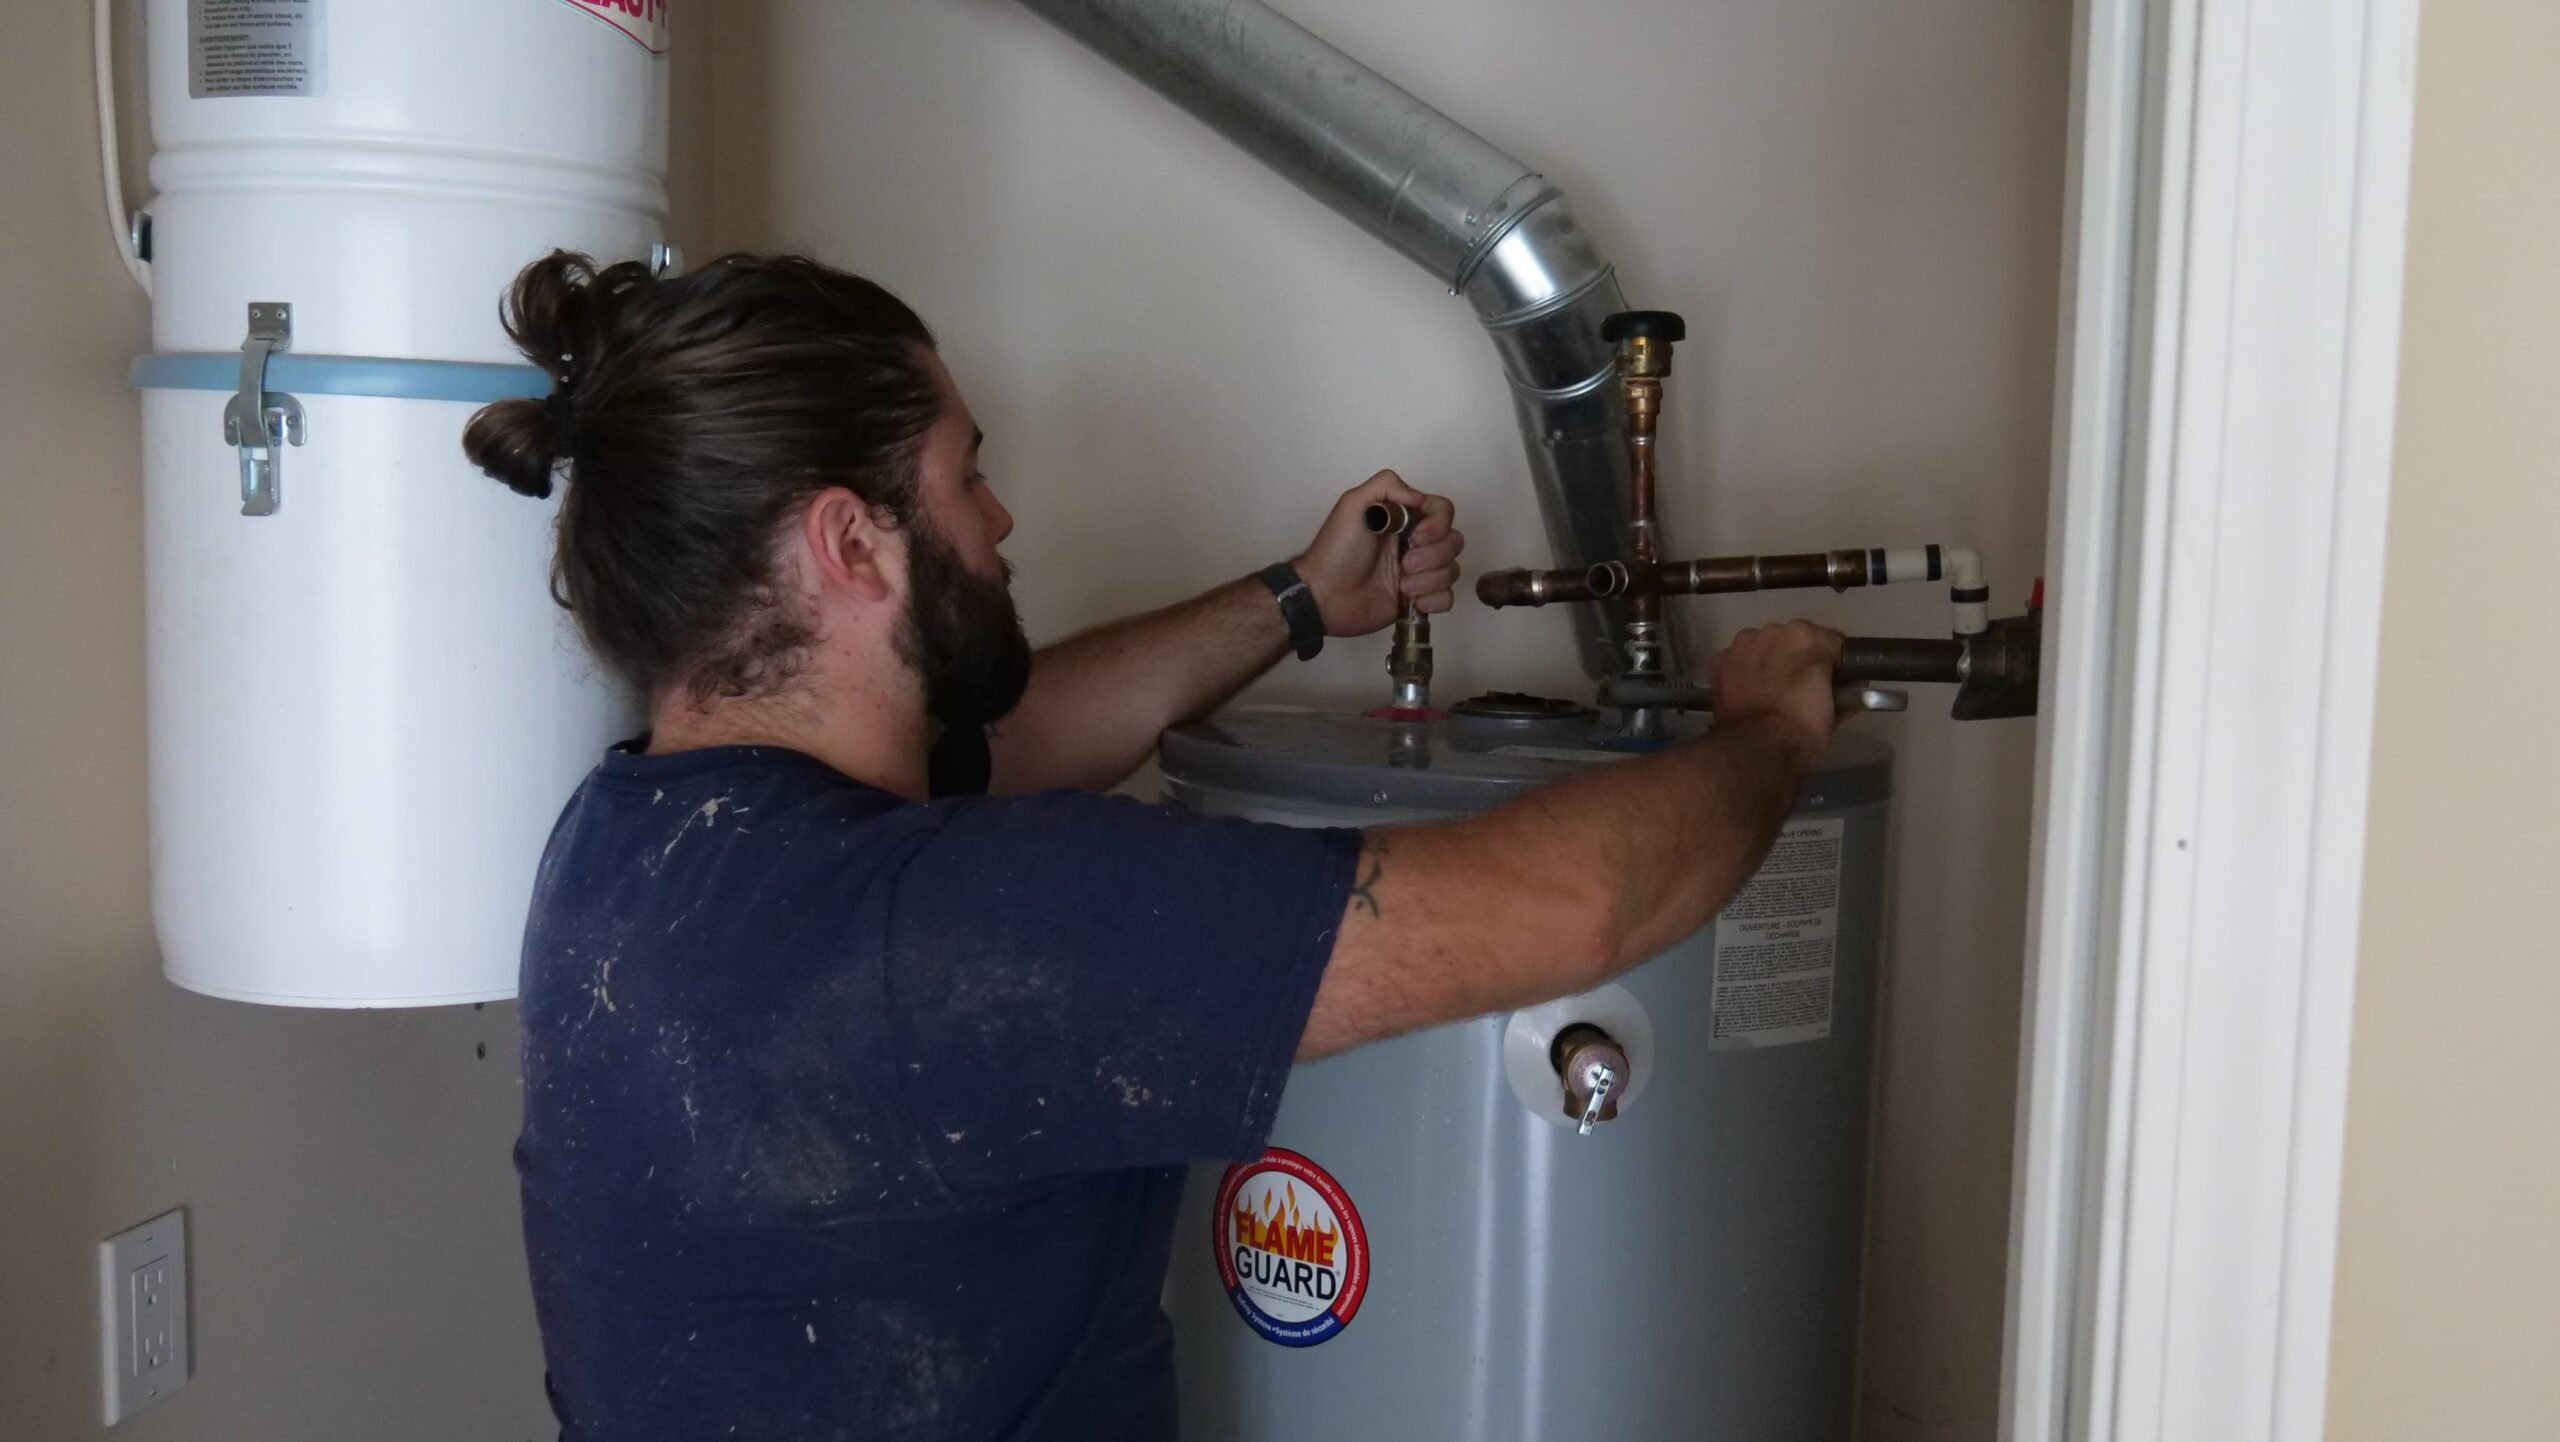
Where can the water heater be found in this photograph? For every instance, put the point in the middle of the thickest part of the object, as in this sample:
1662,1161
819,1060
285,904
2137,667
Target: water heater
1456,1235
365,708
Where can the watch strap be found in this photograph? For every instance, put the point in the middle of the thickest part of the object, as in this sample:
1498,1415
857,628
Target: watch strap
1297,607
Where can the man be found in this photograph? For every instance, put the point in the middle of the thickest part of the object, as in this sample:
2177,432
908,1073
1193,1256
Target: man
856,1109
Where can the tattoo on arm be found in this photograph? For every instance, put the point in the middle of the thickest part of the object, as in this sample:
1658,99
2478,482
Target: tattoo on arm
1373,854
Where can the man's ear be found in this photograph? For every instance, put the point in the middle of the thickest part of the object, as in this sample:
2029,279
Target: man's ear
848,543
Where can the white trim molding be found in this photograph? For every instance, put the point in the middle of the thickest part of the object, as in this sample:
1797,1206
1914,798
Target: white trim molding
2232,316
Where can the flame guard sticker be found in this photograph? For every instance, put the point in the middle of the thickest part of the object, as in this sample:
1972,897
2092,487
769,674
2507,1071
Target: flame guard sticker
1291,1252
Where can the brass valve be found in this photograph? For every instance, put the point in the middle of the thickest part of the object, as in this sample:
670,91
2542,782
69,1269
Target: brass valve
1595,1073
1409,657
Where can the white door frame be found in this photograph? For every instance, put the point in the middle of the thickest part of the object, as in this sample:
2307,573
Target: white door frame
2239,193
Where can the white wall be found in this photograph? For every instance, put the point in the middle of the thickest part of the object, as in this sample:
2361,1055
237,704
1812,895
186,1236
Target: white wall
1179,360
2447,1263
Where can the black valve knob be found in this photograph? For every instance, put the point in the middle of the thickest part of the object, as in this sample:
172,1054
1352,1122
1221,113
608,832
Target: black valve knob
1659,324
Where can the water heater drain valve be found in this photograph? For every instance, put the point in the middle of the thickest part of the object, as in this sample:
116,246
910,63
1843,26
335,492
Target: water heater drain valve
1594,1070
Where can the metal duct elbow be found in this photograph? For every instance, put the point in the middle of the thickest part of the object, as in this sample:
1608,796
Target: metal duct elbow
1490,228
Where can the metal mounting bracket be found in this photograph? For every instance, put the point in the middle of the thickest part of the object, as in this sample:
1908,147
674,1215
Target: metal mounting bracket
261,422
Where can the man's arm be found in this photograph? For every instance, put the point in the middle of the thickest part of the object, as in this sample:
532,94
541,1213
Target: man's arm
1563,889
1098,700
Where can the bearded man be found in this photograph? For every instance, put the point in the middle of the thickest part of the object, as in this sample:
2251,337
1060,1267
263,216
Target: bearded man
866,1041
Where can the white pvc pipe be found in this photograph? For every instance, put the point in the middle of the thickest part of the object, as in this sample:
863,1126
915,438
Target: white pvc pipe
1959,566
1967,590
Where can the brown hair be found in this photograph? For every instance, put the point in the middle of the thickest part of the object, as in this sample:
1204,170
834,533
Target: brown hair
691,418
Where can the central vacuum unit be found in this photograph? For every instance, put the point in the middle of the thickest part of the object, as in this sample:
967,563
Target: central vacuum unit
364,707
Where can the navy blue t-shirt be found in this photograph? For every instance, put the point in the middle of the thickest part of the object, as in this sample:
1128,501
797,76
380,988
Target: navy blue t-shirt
850,1117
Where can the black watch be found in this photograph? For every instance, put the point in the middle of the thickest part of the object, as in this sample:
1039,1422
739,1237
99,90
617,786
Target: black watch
1297,607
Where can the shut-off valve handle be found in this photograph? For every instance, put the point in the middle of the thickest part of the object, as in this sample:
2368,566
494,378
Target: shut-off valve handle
1594,1070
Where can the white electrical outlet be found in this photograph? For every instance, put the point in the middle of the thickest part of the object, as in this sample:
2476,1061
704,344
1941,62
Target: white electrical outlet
142,1314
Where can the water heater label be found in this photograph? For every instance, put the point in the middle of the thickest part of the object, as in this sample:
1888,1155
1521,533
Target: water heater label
256,47
645,21
1778,943
1291,1252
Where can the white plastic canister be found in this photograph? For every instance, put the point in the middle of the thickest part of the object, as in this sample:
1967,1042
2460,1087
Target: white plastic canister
365,710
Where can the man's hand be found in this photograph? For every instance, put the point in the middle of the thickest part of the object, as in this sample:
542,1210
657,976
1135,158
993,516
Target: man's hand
1354,575
1783,672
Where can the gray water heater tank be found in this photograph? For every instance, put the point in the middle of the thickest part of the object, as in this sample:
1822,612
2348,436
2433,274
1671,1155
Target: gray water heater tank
1430,1250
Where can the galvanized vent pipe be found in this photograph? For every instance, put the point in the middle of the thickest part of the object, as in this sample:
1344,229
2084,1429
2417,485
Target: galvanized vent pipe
1489,227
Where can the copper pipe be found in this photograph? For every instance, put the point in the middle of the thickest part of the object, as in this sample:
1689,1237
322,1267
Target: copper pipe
1640,424
1519,587
1644,340
1723,575
1644,603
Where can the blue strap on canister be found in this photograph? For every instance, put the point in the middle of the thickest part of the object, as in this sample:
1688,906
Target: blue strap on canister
268,377
387,377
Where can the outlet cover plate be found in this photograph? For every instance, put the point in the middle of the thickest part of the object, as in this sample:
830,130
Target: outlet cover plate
142,1314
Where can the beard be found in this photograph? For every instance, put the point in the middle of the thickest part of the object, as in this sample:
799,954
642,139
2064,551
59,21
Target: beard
962,635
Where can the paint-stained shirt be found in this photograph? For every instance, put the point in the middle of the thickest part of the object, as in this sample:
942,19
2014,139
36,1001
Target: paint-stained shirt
850,1117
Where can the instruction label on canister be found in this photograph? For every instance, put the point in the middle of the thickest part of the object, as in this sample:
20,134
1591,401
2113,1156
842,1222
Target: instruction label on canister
1778,943
1291,1251
256,47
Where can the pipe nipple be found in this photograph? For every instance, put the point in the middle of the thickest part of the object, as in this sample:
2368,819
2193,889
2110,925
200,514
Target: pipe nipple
1391,518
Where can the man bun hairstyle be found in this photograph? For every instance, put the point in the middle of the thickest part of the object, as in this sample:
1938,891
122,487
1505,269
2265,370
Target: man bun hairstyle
690,418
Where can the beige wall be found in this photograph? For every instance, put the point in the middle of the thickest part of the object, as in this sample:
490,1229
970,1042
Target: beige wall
1179,360
357,1270
2449,1254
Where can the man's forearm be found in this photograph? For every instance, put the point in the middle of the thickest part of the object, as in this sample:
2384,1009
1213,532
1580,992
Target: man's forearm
1099,699
1556,892
1660,843
1709,813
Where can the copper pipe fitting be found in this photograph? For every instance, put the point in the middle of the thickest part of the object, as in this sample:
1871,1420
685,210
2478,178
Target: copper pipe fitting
1409,661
